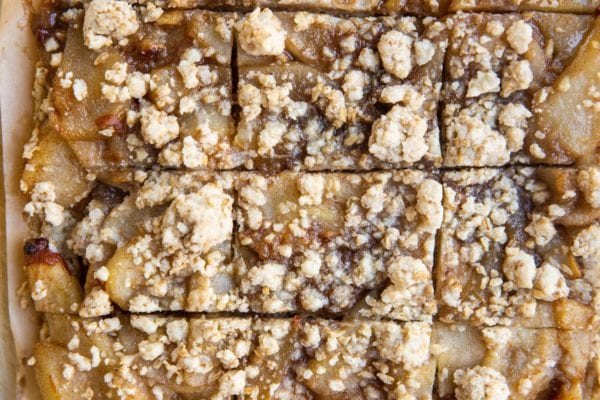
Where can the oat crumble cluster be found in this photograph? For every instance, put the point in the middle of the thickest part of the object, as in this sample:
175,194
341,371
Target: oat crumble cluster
315,199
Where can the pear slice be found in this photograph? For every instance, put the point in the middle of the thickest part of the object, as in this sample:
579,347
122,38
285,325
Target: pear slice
570,116
53,161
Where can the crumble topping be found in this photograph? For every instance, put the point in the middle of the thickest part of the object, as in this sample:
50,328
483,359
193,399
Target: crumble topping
158,127
42,203
395,51
519,267
541,229
484,82
473,142
108,20
519,36
589,183
586,242
481,383
550,284
399,136
198,221
261,33
39,290
517,76
80,90
312,187
95,303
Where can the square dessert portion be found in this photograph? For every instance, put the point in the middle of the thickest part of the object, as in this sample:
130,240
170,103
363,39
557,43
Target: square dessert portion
167,357
521,88
503,363
178,255
337,242
564,6
319,92
135,245
138,86
520,247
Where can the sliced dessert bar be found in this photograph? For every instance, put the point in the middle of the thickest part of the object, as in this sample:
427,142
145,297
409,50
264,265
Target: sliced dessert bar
512,83
336,242
319,92
520,246
503,363
160,265
128,87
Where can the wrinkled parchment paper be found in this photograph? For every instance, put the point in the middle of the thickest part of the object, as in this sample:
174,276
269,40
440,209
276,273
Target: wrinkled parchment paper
17,59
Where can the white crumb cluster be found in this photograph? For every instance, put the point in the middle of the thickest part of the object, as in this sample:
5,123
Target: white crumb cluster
261,33
108,20
481,383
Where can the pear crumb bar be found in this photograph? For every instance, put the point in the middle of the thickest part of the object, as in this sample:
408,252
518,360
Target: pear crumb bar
518,247
315,242
158,357
516,363
320,92
521,88
154,89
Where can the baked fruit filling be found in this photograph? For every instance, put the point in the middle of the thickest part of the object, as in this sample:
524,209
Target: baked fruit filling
227,201
319,92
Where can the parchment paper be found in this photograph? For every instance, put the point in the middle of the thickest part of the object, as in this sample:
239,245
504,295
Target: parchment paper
17,59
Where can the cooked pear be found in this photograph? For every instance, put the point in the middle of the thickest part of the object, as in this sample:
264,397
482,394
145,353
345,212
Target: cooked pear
570,114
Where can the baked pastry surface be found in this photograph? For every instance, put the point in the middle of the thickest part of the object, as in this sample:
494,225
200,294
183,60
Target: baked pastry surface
305,199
